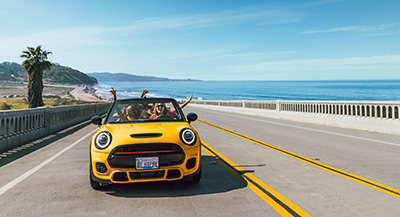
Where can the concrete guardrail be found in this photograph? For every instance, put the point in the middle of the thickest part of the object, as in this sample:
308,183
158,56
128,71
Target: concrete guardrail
377,116
23,125
371,109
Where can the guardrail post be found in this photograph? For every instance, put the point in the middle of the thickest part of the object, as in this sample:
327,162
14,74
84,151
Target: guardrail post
278,105
47,117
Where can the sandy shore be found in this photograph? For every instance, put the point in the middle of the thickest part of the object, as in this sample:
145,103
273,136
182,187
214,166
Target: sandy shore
87,94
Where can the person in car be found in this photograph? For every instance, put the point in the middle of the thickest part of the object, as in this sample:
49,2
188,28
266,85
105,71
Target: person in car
114,93
128,112
151,113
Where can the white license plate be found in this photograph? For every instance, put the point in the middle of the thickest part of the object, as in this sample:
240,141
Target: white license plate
145,163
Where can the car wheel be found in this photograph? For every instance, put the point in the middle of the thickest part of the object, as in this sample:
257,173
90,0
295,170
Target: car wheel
95,185
196,178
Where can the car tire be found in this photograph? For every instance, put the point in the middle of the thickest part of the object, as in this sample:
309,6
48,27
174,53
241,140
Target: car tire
95,185
196,178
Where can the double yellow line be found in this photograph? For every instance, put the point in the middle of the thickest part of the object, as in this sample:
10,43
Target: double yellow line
383,188
277,201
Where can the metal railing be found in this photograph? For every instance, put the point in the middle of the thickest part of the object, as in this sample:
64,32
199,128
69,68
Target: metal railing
367,109
20,126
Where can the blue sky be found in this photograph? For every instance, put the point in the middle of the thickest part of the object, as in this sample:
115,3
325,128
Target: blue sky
211,40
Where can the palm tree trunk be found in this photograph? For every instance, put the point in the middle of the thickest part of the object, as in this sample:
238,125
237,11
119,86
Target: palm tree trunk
35,89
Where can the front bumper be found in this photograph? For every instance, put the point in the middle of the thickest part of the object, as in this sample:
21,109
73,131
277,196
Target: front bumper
189,166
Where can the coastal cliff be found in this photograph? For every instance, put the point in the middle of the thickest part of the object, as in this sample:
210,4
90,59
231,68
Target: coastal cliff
58,74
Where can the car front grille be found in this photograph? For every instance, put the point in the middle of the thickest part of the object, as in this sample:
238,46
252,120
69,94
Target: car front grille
125,156
147,174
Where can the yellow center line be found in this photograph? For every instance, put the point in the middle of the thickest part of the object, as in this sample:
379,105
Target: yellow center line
277,201
383,188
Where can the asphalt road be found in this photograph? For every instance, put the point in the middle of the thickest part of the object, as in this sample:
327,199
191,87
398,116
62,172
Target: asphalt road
320,192
50,177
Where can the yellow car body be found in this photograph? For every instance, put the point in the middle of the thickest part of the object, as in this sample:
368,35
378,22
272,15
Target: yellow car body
144,149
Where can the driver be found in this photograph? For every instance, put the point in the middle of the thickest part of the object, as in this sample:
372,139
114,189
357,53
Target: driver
159,109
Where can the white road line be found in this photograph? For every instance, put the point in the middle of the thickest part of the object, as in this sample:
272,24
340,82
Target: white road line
41,165
306,128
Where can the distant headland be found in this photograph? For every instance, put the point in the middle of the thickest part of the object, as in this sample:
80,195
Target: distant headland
107,76
58,74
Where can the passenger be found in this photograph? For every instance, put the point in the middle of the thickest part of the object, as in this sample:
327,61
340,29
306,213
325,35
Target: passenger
161,109
128,112
150,112
144,92
187,102
147,111
132,113
172,113
114,93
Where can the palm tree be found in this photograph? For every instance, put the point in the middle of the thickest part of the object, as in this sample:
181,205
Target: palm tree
35,64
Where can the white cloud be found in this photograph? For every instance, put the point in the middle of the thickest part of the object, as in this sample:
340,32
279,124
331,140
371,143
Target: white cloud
380,63
83,36
361,28
96,35
323,2
251,55
259,16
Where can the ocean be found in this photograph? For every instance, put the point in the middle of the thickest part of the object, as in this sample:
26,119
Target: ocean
259,90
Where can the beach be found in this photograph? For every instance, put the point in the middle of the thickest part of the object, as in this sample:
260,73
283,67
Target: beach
87,94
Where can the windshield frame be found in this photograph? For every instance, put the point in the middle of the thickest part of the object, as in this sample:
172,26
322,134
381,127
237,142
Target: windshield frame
177,107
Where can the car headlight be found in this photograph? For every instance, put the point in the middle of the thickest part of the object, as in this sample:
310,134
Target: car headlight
188,136
103,140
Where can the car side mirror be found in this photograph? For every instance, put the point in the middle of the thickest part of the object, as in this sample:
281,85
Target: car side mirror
96,120
192,117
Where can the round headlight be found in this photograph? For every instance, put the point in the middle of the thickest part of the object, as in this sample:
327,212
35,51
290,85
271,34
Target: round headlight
103,140
188,136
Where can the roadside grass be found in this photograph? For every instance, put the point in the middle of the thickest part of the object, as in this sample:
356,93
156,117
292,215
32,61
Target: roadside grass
14,96
22,102
8,89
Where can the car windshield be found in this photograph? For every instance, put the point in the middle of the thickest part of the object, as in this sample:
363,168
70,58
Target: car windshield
141,110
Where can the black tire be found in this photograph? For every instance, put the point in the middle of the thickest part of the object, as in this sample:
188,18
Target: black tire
196,178
95,185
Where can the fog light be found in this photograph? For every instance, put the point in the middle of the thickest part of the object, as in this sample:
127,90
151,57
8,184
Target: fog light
101,167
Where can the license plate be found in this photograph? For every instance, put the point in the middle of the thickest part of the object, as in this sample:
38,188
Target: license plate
145,163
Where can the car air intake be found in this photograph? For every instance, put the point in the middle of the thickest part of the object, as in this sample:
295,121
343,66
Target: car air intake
147,174
146,135
120,177
173,174
191,163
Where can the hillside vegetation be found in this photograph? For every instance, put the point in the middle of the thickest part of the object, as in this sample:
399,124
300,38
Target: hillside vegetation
106,76
57,74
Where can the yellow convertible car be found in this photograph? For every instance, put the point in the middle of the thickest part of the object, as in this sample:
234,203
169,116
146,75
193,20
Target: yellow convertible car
144,140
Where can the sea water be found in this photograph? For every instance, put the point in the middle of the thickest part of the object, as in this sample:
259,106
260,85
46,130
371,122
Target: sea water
259,90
